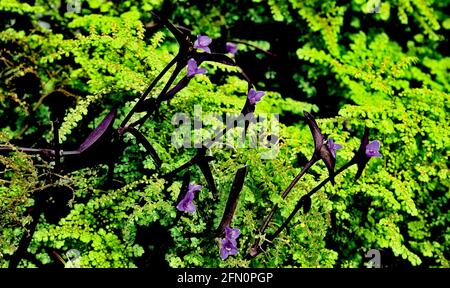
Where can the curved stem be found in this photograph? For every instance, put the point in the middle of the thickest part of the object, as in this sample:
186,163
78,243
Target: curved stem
160,96
140,138
298,206
149,89
254,46
285,193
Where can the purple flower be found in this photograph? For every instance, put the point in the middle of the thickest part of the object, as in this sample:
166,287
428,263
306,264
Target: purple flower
228,248
231,48
333,147
365,152
372,149
254,96
202,43
229,243
321,151
187,203
232,233
192,68
194,188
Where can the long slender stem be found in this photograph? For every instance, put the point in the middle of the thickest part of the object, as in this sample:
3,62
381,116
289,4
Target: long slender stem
228,128
285,193
26,150
181,168
160,96
201,152
296,209
149,89
140,138
298,206
207,145
38,150
254,46
297,178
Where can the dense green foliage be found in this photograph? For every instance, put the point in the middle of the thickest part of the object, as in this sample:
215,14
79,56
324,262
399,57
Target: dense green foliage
387,71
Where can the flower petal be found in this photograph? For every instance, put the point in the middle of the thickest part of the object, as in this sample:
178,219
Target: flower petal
232,233
231,48
374,145
200,71
206,49
372,149
333,146
254,96
186,204
190,207
193,188
259,95
233,250
251,93
228,247
203,40
191,67
181,206
223,253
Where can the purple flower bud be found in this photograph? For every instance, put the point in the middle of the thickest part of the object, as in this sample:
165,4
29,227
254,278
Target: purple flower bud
192,68
202,43
254,96
231,48
333,147
187,203
372,149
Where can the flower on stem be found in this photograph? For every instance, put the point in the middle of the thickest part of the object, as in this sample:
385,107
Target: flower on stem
231,48
365,152
321,151
372,149
228,248
255,96
333,147
229,243
232,233
202,43
187,203
192,68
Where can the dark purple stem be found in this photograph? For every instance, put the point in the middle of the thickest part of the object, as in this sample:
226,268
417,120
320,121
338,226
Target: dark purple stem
256,248
159,99
149,89
285,193
254,46
232,201
140,138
